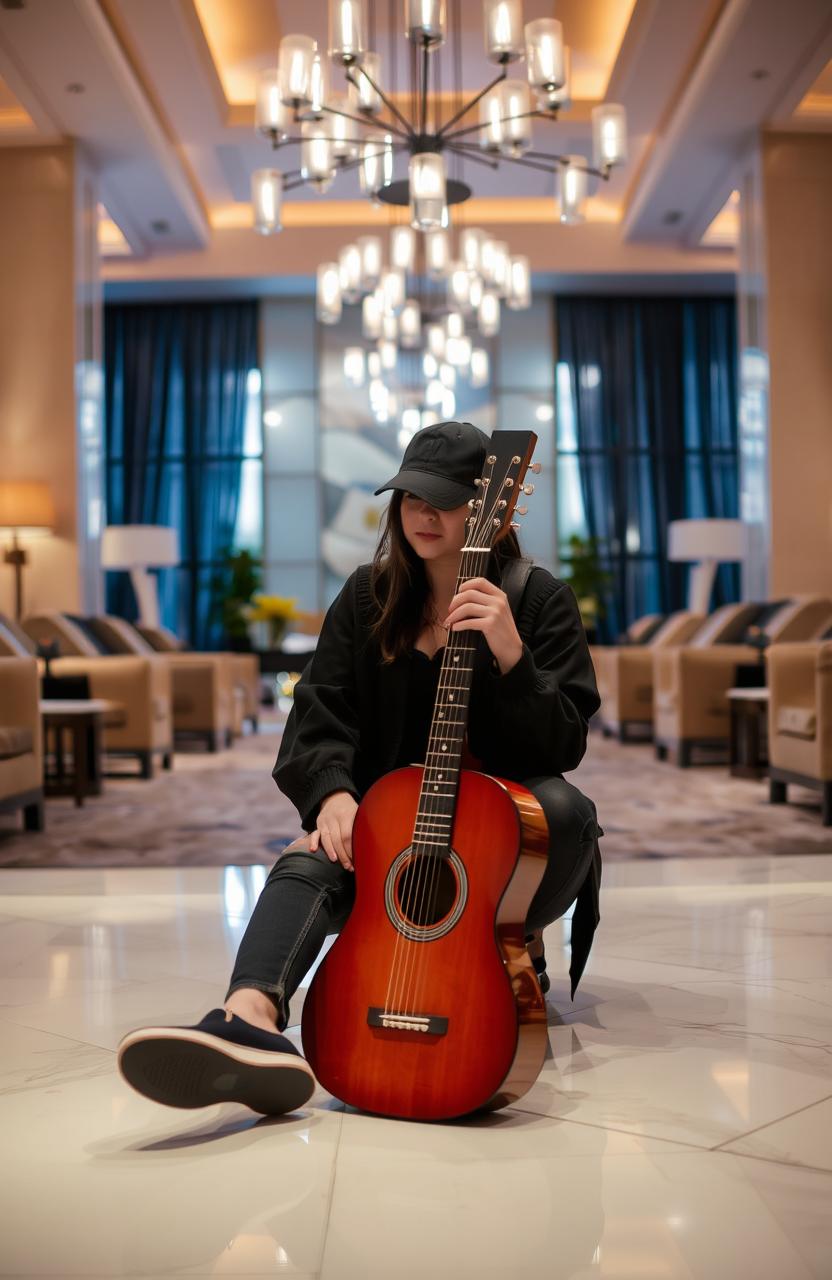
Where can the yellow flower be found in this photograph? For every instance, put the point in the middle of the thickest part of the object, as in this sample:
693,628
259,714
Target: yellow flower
265,608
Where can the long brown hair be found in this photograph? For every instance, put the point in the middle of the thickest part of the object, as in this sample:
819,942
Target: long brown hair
400,587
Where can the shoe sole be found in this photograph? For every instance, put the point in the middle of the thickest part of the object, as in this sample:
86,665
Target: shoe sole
184,1068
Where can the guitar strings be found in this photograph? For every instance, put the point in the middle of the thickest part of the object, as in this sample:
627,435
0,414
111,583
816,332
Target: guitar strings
425,817
423,894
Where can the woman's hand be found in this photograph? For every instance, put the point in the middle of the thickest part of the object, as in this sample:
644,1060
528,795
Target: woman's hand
481,606
334,828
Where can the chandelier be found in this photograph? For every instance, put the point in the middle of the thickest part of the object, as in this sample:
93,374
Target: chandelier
343,130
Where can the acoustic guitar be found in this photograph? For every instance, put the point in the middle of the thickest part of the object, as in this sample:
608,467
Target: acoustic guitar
427,1006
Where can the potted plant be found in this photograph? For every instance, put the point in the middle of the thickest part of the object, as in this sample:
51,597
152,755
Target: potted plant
587,579
234,585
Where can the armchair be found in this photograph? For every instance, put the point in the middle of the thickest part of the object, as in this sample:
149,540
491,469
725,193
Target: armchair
625,672
21,741
800,720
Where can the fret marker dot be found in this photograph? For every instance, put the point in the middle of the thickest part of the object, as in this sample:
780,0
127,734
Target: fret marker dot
450,697
456,659
444,748
436,788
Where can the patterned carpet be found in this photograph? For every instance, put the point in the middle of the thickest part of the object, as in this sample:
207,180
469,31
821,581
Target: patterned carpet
224,809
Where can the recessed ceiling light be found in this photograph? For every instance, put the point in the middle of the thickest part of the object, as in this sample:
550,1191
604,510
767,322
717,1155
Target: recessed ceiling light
544,413
160,226
760,74
75,87
673,216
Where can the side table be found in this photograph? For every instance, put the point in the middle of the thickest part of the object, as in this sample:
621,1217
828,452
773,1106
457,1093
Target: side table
81,720
749,732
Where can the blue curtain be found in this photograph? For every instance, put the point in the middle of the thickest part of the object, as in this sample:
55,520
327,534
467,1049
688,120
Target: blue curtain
176,387
653,386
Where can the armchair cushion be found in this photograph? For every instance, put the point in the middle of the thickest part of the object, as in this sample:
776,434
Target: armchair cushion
15,741
797,722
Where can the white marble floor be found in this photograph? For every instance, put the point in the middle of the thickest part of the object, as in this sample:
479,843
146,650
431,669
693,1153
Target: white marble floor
682,1126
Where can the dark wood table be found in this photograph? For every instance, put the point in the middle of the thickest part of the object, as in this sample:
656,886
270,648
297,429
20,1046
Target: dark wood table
80,721
749,732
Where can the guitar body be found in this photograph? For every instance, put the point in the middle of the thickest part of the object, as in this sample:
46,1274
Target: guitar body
427,1007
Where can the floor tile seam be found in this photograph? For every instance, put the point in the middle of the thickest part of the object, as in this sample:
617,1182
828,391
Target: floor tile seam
782,1164
692,1147
789,1115
330,1196
58,1035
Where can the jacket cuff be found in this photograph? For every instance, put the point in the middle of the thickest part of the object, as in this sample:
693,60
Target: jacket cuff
334,778
520,680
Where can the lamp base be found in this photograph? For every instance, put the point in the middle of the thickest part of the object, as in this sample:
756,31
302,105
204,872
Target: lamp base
17,556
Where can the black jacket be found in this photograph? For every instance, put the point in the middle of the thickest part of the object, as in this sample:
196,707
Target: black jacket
344,730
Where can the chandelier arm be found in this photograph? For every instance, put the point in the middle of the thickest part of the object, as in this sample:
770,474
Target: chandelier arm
391,106
368,124
463,110
474,155
470,149
564,160
486,124
424,103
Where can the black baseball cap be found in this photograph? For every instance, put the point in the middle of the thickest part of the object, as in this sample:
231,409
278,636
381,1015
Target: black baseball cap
441,464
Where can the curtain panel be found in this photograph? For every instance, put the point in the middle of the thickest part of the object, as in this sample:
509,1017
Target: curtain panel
175,403
653,386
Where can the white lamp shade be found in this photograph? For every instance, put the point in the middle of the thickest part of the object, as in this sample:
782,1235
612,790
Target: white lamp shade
721,540
139,546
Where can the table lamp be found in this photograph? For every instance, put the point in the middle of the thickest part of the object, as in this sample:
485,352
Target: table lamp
25,508
139,547
710,542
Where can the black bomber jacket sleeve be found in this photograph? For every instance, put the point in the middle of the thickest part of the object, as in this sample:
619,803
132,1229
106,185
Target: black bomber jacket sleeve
322,735
534,719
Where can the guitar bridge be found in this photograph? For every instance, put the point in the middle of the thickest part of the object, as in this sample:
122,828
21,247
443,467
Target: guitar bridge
427,1023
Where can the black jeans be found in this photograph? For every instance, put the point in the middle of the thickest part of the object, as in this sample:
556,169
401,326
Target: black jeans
306,897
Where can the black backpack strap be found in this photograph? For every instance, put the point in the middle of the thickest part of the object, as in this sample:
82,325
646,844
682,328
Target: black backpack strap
514,579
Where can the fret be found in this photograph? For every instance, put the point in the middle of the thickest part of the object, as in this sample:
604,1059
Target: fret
452,768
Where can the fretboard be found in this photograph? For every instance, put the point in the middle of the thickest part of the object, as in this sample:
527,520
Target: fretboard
437,798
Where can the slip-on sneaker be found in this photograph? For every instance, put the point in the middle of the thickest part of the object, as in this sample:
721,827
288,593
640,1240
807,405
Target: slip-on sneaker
216,1060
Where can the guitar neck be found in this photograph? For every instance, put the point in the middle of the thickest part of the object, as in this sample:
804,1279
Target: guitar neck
443,761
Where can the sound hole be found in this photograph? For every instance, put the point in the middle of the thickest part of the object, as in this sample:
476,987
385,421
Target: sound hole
426,890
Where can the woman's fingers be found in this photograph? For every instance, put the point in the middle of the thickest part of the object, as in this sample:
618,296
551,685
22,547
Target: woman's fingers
333,843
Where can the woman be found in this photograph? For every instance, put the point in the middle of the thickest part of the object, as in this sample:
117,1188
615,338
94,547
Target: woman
362,708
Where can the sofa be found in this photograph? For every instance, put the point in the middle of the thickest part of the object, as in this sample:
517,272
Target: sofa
691,682
143,726
21,741
800,720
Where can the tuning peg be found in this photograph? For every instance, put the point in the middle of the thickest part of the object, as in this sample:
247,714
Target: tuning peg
535,467
527,488
514,525
521,511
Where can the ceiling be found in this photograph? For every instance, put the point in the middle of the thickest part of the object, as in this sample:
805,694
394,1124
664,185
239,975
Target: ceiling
159,93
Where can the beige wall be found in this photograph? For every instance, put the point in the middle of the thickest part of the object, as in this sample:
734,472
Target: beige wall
797,187
39,336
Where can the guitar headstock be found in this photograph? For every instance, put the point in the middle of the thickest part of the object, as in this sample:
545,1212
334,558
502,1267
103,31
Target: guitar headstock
500,486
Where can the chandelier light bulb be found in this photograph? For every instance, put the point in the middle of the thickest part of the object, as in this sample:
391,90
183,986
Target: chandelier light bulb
500,267
480,369
347,29
392,284
428,208
411,421
342,129
519,295
376,171
490,133
503,30
388,352
317,88
448,405
371,262
349,272
425,22
572,189
434,392
489,314
373,366
430,365
458,352
454,324
294,70
410,324
317,163
459,286
516,124
271,115
487,252
447,372
555,100
367,96
470,244
437,337
328,296
267,199
437,254
544,54
354,365
389,325
403,248
371,316
609,135
475,292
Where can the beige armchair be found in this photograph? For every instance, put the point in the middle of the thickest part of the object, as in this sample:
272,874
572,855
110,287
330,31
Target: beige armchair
691,682
203,700
245,668
142,686
800,720
21,741
625,673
